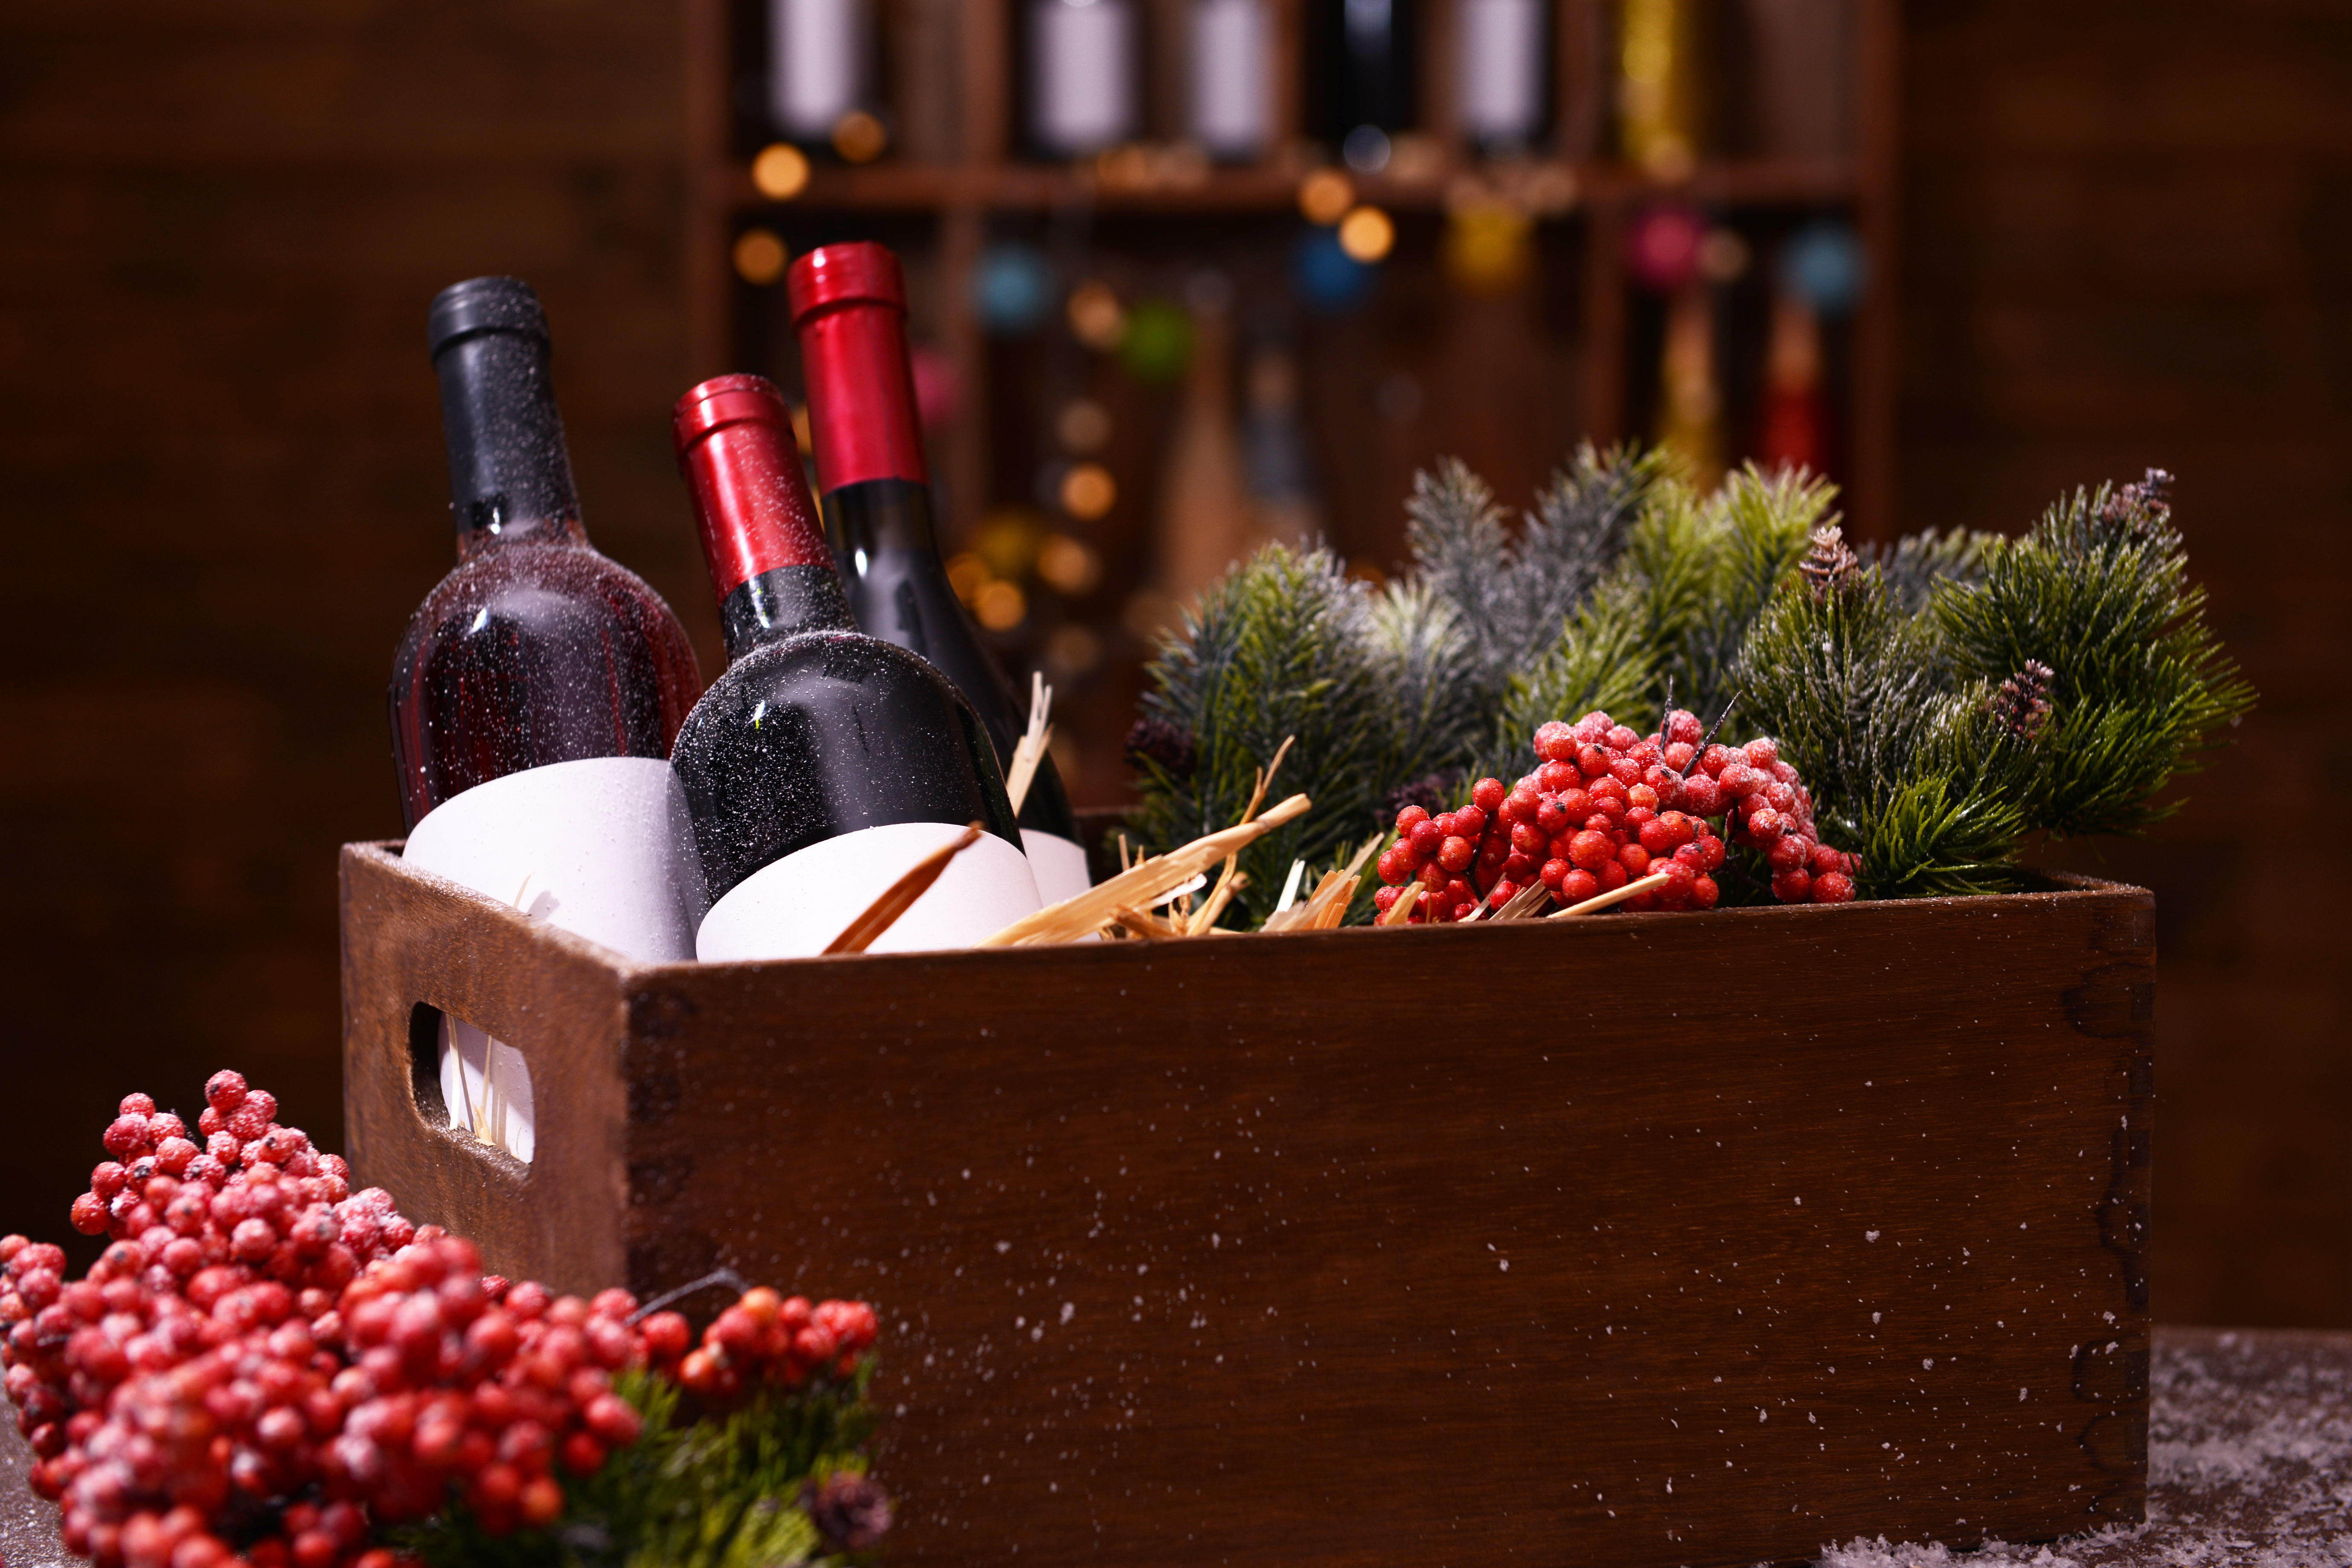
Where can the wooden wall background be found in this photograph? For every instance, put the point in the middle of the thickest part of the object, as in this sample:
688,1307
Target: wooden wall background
2128,240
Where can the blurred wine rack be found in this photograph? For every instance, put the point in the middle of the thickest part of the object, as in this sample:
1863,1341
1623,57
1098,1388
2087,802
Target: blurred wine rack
1056,447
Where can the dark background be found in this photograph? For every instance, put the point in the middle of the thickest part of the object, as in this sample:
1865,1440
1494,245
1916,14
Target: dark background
2127,240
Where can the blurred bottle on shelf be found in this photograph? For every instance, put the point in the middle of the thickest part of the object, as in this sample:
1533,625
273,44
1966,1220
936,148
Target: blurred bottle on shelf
1668,253
1204,498
1362,54
1795,424
1820,277
1284,507
1690,394
817,67
1661,120
1499,86
1488,247
1084,80
1801,92
1230,110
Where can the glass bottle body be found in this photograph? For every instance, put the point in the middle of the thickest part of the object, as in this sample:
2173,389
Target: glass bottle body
882,539
819,768
536,649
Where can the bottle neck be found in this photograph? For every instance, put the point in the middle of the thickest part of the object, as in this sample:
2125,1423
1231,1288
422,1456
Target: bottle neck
509,471
875,518
769,564
861,395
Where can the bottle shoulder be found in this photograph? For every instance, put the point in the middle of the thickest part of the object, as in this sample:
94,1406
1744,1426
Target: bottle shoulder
554,589
817,667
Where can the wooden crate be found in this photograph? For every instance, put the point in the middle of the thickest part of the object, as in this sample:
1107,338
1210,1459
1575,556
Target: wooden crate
1644,1239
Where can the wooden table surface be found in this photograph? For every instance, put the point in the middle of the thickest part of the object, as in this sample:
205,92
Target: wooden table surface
2249,1465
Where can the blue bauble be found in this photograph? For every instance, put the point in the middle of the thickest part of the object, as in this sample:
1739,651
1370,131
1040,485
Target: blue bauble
1012,289
1824,265
1327,277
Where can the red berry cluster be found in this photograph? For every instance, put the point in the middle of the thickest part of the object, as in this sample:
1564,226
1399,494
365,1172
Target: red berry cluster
1767,808
1605,806
1454,855
777,1339
455,1379
265,1367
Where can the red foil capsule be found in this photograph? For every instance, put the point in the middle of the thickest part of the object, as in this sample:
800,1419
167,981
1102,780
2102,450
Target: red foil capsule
849,307
733,434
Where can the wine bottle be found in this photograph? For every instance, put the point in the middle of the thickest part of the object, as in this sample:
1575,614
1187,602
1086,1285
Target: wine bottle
1690,396
1367,93
1662,100
1500,55
817,69
823,764
1204,502
849,307
536,692
1231,76
1083,90
1284,507
1795,425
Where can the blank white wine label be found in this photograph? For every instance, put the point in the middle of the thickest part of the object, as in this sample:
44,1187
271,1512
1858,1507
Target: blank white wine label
1060,865
794,907
602,847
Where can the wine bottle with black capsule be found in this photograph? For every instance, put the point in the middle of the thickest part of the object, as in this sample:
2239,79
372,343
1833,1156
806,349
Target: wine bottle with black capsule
849,308
537,690
822,764
535,693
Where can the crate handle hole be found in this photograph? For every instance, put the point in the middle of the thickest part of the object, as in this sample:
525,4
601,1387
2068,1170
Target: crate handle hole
466,1080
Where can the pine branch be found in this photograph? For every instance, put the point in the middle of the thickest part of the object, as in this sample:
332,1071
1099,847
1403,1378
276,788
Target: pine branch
1512,596
1915,564
1754,532
1604,658
2098,591
1580,526
1462,552
1426,667
1911,770
1690,580
1913,687
1286,645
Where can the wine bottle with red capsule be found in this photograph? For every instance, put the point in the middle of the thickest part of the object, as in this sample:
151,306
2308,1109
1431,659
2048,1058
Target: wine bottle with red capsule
537,690
849,308
823,764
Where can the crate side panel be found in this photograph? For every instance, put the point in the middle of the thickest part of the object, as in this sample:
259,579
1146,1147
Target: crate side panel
411,939
1660,1239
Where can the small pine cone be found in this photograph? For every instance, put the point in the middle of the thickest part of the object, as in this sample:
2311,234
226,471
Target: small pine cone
2141,509
851,1510
1829,565
1159,740
2022,706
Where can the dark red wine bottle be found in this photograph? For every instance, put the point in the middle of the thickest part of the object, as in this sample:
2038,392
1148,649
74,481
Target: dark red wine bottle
536,692
849,307
823,764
